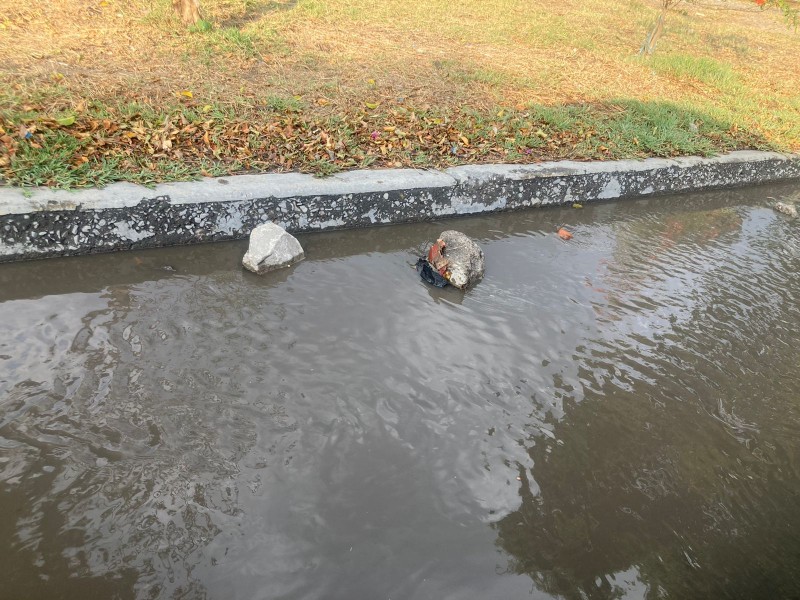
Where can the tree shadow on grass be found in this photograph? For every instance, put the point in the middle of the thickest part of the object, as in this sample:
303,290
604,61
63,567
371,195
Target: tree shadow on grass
257,10
634,128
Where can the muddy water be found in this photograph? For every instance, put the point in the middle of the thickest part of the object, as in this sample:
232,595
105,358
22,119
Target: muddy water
614,416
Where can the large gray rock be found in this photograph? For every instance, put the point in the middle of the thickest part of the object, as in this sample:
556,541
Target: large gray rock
466,264
271,247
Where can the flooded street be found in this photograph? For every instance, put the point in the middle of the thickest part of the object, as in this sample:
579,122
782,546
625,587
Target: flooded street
616,416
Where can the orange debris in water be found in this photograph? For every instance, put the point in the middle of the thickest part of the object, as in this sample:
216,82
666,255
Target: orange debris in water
564,234
436,250
436,257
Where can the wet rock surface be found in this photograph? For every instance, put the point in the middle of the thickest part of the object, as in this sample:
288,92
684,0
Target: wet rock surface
454,259
786,208
271,247
466,263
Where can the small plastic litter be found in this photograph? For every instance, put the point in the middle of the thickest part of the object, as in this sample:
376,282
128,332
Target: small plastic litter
433,268
564,234
430,275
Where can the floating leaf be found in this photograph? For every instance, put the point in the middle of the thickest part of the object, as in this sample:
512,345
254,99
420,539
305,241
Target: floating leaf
577,205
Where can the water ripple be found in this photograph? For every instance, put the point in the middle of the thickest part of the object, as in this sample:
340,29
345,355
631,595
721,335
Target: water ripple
594,415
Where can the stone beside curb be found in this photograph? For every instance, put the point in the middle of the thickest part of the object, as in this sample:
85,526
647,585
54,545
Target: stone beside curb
45,223
271,248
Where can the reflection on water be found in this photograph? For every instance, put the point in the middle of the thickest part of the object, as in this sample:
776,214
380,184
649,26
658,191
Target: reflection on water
613,417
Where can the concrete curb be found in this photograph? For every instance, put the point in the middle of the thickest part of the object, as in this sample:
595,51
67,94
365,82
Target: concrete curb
48,223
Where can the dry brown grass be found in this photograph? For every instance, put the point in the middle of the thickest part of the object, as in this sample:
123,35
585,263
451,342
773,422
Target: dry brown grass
721,59
435,52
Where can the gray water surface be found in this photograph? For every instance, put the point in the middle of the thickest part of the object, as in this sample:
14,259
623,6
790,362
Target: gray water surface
612,417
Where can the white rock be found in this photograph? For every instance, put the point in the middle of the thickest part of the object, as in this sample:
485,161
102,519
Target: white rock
466,263
271,248
787,209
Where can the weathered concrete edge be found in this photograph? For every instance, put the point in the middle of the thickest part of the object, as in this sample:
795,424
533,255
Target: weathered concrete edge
126,216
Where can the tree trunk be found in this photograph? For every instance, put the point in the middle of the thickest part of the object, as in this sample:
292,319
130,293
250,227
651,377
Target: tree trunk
188,10
649,45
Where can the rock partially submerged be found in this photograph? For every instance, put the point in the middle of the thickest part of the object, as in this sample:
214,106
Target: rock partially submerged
271,247
786,208
453,258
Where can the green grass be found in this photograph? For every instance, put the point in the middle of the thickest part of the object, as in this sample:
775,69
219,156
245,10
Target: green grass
700,68
277,133
248,41
202,26
228,39
667,130
284,104
51,164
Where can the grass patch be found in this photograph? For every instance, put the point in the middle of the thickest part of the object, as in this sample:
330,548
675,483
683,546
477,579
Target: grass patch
202,26
148,144
283,104
646,129
320,86
224,39
50,161
700,68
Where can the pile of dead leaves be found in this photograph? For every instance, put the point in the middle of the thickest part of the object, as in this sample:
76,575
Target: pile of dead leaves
94,147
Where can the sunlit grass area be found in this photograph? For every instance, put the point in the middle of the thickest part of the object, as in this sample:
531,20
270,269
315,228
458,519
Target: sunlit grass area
109,90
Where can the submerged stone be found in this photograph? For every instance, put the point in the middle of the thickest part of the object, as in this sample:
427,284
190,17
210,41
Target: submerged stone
454,258
786,208
466,261
271,247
